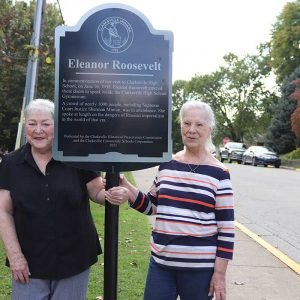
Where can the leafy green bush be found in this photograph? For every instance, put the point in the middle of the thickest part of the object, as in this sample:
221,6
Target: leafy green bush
293,155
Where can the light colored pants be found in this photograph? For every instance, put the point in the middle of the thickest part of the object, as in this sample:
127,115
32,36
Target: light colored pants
71,288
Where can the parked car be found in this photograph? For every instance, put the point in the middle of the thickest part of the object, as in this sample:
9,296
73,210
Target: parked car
260,155
232,151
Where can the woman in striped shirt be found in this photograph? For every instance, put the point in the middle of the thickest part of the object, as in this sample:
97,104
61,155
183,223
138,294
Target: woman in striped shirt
192,240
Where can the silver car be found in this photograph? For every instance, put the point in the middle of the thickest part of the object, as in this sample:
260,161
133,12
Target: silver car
232,151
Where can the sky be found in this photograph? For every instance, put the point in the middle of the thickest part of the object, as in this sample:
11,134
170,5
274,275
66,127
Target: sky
204,30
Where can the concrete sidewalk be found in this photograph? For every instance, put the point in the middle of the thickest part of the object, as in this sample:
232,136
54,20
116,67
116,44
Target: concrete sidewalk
255,273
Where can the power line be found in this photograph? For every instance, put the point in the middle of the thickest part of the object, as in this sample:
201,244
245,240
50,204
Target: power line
61,15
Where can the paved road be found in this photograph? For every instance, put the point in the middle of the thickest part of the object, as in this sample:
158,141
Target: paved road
268,203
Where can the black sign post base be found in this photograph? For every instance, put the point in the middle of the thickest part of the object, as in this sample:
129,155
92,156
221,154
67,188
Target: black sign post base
111,241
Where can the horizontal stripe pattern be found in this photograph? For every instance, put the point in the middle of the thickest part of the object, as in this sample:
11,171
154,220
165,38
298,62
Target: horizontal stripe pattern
194,215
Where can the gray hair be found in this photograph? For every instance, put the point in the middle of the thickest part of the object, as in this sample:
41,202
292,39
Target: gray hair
209,116
40,104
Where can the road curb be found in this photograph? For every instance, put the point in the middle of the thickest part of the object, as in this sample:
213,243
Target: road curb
280,255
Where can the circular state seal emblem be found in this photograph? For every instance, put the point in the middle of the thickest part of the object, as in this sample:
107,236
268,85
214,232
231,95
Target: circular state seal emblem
114,35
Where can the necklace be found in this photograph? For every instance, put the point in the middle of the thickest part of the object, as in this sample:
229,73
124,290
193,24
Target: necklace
192,170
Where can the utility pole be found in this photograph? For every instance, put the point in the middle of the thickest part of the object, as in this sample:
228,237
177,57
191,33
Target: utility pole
32,67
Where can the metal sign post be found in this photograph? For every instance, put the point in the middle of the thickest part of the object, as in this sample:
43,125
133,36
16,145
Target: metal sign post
111,241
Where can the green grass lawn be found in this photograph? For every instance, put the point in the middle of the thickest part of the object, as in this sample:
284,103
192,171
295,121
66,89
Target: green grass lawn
134,253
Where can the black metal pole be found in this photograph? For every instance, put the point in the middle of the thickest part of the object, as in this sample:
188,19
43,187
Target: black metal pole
111,241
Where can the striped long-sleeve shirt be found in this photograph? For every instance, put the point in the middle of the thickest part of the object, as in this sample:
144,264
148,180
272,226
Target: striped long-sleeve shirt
194,215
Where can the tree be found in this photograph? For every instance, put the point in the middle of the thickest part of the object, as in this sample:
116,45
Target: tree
280,136
238,95
16,21
178,98
295,117
285,41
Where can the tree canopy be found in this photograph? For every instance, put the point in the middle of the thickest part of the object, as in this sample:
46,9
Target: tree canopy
284,58
295,117
285,41
280,135
16,25
178,98
238,95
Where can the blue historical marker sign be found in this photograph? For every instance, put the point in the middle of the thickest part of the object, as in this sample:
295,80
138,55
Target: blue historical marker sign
113,90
